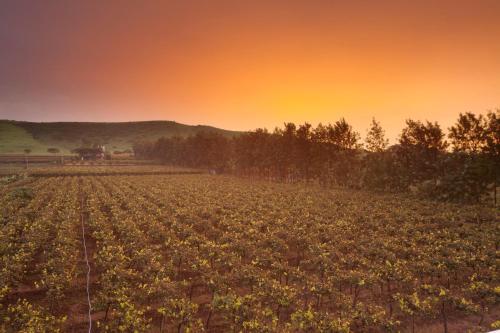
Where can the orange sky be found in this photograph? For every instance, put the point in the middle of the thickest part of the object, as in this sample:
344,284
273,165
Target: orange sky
247,64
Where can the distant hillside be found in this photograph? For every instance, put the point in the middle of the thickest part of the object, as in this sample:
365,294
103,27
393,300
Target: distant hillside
15,136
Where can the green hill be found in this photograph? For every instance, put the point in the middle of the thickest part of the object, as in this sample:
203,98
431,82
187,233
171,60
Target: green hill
15,136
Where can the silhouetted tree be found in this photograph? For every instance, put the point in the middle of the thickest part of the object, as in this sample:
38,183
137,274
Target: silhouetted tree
304,150
469,134
380,168
375,140
331,155
420,147
342,135
492,148
344,142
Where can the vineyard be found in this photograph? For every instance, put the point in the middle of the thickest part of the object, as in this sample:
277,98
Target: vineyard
197,252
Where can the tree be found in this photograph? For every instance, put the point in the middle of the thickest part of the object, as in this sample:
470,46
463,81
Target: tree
472,171
378,170
26,152
492,148
469,134
344,143
251,152
53,150
143,150
330,154
285,151
426,137
375,139
420,145
343,136
303,150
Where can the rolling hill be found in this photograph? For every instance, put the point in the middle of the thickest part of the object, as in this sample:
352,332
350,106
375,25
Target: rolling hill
15,136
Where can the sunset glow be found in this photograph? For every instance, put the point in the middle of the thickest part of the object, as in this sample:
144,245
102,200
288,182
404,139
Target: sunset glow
241,65
278,166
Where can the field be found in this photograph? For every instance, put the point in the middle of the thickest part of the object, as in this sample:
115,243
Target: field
197,252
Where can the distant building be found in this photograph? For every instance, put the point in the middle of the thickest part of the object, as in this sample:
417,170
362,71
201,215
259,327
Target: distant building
97,153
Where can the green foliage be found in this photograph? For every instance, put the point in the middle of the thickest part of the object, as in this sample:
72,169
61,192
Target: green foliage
312,321
24,317
14,139
189,253
15,136
182,314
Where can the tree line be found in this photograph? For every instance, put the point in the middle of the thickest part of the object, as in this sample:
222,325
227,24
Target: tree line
462,165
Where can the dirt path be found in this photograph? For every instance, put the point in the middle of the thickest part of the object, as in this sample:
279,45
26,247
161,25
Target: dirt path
80,317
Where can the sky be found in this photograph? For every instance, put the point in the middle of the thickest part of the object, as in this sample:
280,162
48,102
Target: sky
246,64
